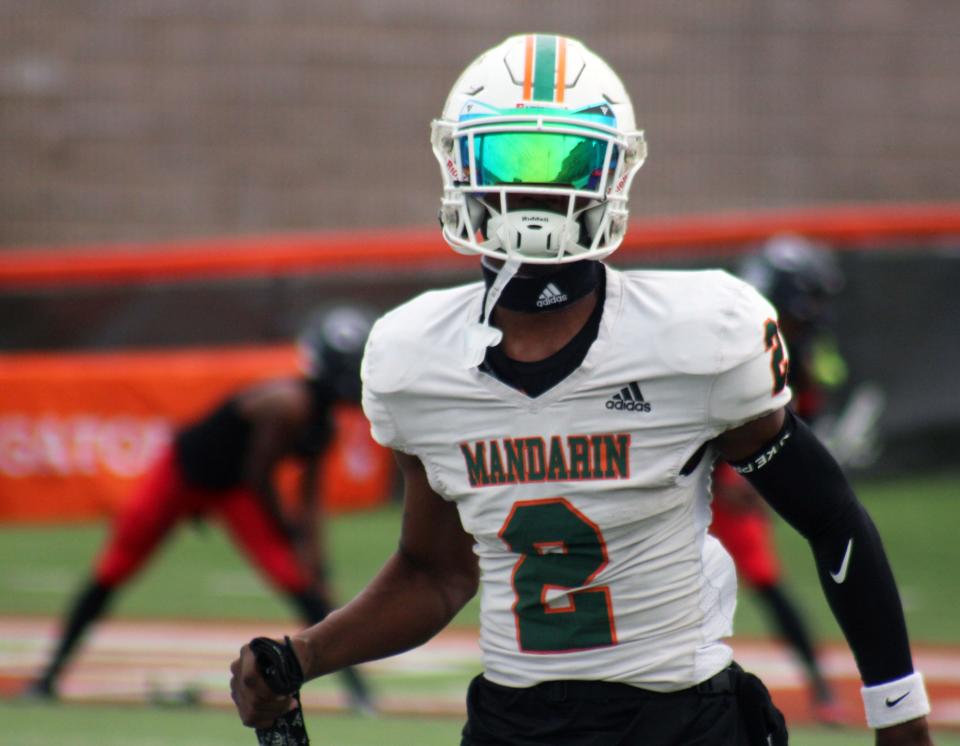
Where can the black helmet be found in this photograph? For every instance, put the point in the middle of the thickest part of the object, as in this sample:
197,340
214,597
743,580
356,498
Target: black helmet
331,347
798,277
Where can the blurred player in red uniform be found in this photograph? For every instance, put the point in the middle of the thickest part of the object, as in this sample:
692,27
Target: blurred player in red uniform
223,466
799,278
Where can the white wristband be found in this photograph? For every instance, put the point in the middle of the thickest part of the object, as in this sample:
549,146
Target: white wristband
896,701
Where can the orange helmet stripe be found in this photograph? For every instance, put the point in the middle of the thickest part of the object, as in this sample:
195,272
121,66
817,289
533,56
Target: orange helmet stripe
528,67
561,68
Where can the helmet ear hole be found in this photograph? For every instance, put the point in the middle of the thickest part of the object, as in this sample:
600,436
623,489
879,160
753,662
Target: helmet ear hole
478,215
591,221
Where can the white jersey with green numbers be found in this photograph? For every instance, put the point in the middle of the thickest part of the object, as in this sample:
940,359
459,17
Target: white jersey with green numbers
589,504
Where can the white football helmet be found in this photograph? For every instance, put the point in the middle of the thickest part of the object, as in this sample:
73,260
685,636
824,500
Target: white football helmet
537,147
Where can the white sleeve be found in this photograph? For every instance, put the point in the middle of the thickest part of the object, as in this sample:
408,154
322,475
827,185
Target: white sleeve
752,380
373,369
744,393
382,427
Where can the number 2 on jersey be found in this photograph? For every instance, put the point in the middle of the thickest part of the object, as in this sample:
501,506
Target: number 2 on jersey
779,364
559,548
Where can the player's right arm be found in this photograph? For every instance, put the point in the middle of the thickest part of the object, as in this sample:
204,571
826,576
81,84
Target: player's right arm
429,578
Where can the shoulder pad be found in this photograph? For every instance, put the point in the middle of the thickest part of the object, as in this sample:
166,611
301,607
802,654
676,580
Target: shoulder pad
422,333
714,323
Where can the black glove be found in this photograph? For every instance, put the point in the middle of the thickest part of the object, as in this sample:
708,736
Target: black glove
281,670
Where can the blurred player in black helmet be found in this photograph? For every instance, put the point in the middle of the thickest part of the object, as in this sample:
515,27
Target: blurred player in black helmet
223,465
800,278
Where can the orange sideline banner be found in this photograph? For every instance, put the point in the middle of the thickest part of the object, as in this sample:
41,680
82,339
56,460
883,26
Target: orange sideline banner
863,226
77,430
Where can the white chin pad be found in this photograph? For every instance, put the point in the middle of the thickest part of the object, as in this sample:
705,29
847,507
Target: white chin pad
535,233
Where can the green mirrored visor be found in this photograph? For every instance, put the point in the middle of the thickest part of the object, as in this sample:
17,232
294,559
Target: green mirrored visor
541,157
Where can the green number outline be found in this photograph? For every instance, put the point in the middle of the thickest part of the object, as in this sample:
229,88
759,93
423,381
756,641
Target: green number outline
779,364
588,621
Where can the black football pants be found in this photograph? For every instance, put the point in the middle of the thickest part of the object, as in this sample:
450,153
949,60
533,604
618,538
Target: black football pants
731,709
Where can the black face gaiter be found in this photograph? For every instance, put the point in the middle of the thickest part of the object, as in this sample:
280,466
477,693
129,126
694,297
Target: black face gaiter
551,287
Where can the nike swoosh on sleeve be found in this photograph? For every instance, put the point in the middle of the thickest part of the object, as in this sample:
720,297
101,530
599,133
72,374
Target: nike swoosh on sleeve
898,700
840,575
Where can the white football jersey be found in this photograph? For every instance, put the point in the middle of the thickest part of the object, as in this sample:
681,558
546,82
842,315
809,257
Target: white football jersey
590,532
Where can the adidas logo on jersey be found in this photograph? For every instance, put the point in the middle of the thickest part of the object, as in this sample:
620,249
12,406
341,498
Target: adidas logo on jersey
629,398
549,295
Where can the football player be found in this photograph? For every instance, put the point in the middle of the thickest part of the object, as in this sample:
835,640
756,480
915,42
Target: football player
556,427
223,466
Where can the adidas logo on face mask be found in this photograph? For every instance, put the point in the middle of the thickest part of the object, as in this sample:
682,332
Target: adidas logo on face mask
628,398
551,294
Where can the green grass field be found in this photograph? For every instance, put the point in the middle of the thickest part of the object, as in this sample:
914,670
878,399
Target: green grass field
94,725
198,575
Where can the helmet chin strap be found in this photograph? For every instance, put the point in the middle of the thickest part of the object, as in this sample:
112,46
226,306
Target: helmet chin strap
479,335
549,288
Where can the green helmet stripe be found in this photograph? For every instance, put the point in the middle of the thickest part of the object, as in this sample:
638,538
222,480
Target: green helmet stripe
544,69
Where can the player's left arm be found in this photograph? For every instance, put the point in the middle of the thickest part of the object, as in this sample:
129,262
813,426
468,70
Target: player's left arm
799,478
263,457
276,413
311,521
300,523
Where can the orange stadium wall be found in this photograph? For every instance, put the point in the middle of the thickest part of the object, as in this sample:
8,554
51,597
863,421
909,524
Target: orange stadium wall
79,422
76,430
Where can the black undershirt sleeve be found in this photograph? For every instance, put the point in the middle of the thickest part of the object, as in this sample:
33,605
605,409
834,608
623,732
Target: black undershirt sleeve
801,480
